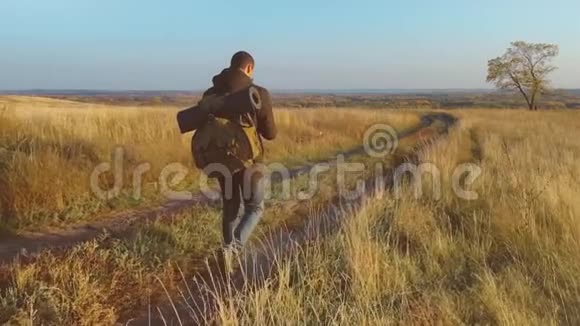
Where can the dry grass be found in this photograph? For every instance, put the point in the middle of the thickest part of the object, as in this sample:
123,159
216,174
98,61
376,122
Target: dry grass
509,257
48,149
108,278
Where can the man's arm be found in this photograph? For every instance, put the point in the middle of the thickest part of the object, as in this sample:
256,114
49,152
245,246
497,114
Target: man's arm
265,116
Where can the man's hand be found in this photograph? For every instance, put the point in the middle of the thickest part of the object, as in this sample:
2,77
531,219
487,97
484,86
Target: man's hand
211,103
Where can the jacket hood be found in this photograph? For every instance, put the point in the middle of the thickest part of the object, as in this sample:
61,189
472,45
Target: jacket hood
231,80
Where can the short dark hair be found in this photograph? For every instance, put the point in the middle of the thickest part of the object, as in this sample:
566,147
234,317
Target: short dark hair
241,60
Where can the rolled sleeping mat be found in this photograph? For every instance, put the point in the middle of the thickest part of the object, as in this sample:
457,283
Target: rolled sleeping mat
240,102
191,119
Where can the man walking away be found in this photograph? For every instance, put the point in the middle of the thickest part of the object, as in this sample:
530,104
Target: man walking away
244,193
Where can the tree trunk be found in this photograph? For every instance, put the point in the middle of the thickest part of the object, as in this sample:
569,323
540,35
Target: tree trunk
530,103
532,106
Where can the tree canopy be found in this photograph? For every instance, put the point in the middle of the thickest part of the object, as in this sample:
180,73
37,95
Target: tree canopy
524,67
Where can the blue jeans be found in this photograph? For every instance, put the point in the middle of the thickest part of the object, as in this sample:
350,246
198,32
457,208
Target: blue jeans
243,196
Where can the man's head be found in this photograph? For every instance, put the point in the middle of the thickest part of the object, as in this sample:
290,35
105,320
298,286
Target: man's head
243,60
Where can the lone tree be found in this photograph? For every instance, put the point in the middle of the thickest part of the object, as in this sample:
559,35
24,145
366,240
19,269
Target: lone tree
524,67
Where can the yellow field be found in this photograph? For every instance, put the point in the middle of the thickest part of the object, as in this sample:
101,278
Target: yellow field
510,257
49,148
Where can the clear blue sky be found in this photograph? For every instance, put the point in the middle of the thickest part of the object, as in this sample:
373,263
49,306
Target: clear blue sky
180,44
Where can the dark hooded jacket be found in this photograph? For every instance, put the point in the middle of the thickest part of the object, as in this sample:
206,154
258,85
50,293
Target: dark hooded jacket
233,80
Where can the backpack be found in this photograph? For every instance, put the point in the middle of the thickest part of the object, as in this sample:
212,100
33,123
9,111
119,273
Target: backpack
233,144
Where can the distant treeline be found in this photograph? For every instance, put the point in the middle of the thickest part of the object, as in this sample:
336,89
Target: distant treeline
560,99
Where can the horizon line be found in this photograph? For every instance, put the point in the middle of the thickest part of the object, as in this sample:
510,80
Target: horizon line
60,91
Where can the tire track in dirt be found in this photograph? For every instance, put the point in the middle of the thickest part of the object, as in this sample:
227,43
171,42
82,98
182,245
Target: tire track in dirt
117,224
258,264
